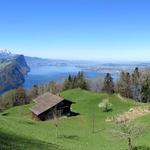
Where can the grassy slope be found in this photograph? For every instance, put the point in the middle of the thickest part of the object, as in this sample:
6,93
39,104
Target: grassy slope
19,131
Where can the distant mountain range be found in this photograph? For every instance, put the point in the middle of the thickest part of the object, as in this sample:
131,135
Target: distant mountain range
36,61
5,54
101,67
13,68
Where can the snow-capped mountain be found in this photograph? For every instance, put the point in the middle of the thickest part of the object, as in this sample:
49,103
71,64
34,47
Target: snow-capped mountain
4,54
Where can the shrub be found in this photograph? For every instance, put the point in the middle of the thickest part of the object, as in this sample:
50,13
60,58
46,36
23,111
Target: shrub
105,105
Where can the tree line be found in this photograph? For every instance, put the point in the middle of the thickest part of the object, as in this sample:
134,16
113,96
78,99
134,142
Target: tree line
21,96
14,97
135,85
76,81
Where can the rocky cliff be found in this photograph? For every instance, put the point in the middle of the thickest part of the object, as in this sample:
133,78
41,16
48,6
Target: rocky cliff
12,72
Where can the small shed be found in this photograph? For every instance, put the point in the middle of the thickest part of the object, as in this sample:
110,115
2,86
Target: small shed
48,106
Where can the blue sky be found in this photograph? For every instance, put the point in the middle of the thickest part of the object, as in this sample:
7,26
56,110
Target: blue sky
104,30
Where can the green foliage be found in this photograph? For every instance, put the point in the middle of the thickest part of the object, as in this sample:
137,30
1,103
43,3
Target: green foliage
105,105
135,85
14,98
108,84
8,99
146,89
76,81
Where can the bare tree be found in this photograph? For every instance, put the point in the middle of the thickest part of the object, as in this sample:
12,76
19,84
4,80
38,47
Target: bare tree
128,131
95,84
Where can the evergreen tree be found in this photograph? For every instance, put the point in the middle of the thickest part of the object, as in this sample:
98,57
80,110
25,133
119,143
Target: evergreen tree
68,83
76,81
136,85
81,81
108,84
128,85
146,90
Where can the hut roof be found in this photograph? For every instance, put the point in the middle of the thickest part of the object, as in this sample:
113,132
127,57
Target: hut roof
45,102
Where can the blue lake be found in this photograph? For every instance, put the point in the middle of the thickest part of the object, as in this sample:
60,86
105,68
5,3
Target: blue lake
44,74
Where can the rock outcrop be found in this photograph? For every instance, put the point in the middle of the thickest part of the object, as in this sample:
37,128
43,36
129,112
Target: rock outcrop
12,72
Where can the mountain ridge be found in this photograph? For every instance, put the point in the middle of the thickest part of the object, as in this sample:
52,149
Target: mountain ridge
12,72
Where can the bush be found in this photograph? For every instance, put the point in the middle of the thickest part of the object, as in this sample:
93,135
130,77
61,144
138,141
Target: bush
105,105
14,97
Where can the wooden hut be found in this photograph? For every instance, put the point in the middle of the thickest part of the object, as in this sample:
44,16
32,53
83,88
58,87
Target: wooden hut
48,106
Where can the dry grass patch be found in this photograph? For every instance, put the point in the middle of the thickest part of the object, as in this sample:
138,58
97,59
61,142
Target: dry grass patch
132,114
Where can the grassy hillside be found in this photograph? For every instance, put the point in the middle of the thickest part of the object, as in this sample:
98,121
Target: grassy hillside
19,131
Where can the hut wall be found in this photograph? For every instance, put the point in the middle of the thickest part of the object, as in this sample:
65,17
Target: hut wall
61,109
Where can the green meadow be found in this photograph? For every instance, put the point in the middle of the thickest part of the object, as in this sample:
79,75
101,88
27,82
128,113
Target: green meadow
19,132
